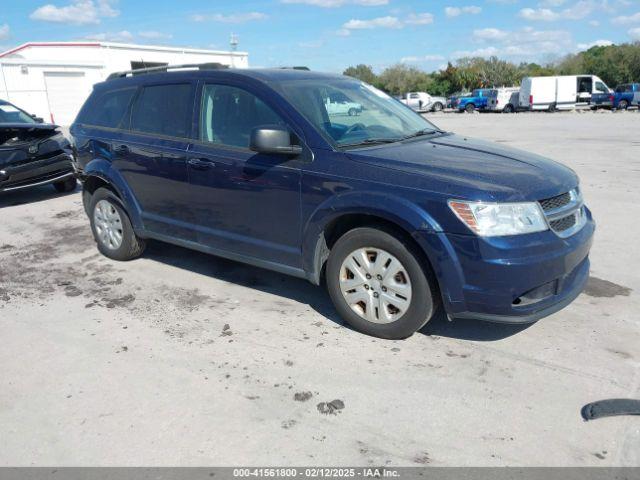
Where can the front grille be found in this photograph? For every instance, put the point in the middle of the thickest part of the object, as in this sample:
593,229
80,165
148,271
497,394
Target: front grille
555,202
564,213
563,223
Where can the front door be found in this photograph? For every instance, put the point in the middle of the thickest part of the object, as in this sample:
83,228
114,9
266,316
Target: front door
243,202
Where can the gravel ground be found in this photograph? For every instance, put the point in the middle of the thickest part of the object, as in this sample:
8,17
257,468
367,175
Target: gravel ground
179,358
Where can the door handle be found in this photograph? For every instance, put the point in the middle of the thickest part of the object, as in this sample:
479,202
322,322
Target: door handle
121,149
200,163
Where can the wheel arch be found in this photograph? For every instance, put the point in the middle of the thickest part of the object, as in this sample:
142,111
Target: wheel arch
99,174
357,210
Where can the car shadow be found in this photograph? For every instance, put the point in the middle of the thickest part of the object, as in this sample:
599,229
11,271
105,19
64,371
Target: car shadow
31,195
468,329
302,291
267,281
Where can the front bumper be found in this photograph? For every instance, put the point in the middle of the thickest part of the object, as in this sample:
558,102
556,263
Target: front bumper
36,172
517,279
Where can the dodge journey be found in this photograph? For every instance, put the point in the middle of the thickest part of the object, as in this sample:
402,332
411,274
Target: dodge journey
395,216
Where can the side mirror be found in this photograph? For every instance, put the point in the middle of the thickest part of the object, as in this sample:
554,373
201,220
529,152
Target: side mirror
273,139
37,119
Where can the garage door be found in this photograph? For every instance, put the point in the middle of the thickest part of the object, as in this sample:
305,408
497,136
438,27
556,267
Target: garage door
66,92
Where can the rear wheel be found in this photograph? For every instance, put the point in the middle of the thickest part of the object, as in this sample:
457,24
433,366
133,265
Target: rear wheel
623,105
378,284
508,108
112,228
66,185
353,112
470,108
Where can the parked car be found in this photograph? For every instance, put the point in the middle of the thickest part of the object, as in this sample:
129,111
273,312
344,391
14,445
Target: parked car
32,153
453,100
423,102
504,99
393,214
601,100
337,105
563,92
478,100
626,95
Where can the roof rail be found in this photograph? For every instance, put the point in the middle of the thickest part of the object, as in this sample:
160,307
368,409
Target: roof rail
166,68
298,67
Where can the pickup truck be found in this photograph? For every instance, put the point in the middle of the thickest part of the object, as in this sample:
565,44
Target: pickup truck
423,102
624,96
478,100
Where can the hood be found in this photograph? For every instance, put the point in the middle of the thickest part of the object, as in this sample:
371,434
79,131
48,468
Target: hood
472,169
25,142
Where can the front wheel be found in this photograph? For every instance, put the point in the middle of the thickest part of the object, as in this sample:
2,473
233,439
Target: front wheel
508,108
470,108
66,185
112,228
437,107
623,105
378,285
353,112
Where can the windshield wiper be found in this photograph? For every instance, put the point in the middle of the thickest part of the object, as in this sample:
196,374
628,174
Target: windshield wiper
420,133
371,141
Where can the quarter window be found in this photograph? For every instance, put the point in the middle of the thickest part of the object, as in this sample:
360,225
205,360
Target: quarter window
163,110
229,114
109,109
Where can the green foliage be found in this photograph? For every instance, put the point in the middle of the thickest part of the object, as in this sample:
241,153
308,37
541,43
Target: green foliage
615,64
362,72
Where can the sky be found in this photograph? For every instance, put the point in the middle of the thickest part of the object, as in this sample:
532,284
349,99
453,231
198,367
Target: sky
330,35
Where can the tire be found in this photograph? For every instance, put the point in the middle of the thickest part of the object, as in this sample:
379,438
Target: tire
470,108
437,107
623,105
104,207
552,108
353,112
66,185
508,108
403,315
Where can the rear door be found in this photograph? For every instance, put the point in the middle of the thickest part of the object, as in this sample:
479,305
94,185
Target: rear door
243,202
152,157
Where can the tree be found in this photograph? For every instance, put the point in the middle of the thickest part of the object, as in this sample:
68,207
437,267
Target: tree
362,72
400,78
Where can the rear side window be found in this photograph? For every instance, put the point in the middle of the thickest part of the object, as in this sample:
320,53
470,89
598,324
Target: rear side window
108,109
163,110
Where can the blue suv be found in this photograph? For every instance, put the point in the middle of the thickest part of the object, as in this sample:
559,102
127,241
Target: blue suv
394,215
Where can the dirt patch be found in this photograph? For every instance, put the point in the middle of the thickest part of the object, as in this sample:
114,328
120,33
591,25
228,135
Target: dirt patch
596,287
302,396
330,408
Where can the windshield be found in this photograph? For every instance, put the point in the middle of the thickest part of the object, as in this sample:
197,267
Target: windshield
349,112
11,114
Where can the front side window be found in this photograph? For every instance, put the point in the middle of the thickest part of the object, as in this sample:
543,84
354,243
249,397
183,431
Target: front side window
109,109
364,115
11,114
163,110
601,87
228,115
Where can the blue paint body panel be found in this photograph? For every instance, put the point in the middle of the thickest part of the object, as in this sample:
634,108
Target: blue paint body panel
271,211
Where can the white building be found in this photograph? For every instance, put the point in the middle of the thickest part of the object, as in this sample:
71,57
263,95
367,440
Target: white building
52,80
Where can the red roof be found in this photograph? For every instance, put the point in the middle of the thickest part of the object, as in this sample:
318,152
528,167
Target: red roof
48,44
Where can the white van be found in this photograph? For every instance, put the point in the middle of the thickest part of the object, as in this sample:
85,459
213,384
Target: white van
563,92
506,99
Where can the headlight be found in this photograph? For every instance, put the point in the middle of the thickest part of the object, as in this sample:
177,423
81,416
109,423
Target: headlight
499,219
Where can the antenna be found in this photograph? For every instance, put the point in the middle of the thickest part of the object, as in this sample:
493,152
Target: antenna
233,42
